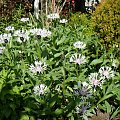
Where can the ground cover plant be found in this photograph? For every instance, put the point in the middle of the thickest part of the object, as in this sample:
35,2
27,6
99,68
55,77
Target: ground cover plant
57,70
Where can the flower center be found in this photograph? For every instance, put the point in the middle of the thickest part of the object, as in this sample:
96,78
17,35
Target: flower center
106,73
78,61
95,82
22,39
6,41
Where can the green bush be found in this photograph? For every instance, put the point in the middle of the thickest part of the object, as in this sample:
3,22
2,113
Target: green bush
82,23
106,22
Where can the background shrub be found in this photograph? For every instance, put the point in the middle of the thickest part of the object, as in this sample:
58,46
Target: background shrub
8,6
106,22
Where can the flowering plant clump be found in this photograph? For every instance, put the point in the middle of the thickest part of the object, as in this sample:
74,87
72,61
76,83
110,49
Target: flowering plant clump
53,71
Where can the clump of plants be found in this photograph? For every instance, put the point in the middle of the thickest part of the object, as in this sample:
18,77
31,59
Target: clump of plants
55,72
106,23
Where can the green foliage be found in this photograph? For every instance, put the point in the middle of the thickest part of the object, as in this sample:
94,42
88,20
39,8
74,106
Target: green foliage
106,22
65,96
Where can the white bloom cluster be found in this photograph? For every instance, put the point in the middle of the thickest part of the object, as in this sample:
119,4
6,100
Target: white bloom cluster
97,79
79,44
53,16
21,35
2,49
38,67
4,38
39,89
78,59
41,32
9,28
63,21
34,30
24,19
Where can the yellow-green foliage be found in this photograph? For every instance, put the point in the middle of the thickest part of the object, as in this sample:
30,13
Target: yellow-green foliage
106,22
82,21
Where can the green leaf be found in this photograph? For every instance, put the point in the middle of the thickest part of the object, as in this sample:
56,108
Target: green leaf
96,61
24,117
69,88
53,100
58,54
60,41
63,71
115,113
7,111
108,107
104,98
16,89
58,111
72,118
116,92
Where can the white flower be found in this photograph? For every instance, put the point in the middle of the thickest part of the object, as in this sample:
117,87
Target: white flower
85,84
9,28
106,72
4,38
21,35
18,32
24,19
22,38
41,32
38,67
78,59
45,33
39,89
63,21
1,39
2,49
79,44
53,16
95,79
78,109
35,31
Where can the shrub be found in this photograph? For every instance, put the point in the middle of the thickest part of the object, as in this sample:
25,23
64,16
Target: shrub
106,21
